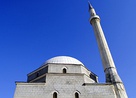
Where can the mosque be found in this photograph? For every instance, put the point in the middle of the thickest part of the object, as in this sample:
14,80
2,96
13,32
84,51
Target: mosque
67,77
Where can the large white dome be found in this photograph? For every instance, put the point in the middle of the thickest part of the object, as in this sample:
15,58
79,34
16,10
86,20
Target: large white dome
63,60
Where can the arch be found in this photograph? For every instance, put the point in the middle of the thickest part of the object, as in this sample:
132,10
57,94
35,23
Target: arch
64,70
54,95
76,95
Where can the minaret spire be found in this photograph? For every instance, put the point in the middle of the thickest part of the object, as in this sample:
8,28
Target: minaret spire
90,6
107,60
91,10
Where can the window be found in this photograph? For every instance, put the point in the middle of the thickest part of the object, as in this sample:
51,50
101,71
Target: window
54,95
64,70
38,73
76,95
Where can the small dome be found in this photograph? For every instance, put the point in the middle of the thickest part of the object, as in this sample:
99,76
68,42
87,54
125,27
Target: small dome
63,60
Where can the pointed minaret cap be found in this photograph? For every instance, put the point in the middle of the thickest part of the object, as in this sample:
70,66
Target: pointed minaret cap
90,6
92,12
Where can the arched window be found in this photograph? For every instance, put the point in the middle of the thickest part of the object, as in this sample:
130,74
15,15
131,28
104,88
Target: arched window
54,95
76,95
64,70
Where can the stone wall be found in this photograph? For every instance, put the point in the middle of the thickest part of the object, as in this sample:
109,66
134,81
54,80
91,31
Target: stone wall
42,90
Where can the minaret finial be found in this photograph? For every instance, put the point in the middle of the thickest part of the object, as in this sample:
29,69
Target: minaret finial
90,6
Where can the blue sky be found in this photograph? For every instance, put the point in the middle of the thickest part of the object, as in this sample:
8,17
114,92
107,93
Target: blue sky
32,31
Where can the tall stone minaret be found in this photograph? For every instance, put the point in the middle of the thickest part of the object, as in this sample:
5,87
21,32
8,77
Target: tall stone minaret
107,60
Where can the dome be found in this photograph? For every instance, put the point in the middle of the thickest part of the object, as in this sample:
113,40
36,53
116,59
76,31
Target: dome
63,60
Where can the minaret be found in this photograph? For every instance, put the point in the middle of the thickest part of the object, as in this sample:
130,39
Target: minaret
107,60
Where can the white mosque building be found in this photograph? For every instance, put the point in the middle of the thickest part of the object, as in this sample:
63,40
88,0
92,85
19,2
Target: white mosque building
67,77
